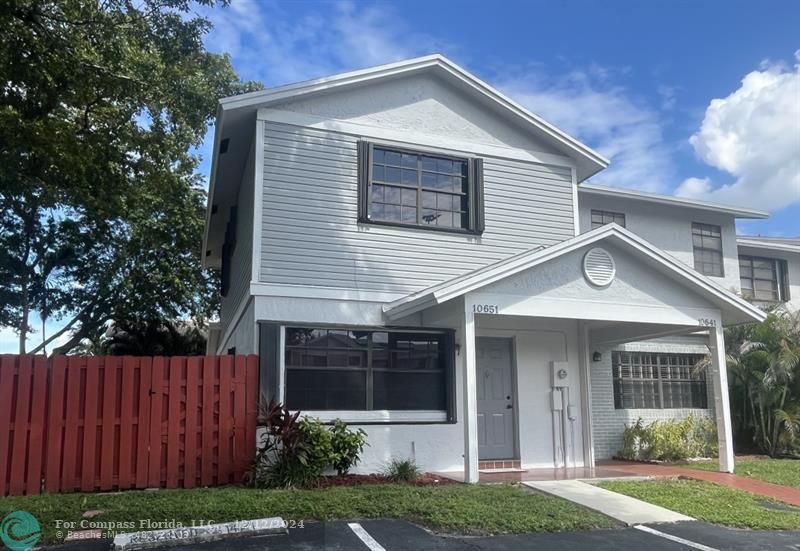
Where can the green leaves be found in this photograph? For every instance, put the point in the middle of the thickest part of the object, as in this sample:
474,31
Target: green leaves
101,211
764,360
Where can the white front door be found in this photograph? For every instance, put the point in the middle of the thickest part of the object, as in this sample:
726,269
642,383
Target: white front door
495,398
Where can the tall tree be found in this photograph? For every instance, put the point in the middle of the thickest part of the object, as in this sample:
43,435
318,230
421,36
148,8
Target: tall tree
101,208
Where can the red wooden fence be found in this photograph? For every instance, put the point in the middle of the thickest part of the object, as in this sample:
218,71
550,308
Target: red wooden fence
75,423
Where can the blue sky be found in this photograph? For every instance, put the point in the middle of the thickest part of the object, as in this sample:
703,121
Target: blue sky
633,80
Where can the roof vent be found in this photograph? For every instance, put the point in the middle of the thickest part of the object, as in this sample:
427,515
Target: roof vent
599,267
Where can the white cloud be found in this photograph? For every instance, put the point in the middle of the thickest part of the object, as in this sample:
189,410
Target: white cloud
276,47
754,135
606,117
694,187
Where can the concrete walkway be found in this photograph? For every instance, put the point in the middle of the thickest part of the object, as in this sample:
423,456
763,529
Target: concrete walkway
764,489
625,509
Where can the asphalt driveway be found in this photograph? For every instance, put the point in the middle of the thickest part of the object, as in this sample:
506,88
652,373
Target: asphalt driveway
396,535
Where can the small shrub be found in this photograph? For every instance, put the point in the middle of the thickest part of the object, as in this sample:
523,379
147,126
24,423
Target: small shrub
281,442
295,452
347,446
402,470
318,446
670,440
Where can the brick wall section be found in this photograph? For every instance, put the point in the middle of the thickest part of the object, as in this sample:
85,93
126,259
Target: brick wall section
609,423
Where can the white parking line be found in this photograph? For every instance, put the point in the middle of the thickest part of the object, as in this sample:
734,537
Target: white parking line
676,539
364,536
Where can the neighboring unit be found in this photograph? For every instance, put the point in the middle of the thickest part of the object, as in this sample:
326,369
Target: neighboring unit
412,252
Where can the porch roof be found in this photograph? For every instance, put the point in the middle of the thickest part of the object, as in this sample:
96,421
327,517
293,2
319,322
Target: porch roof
733,309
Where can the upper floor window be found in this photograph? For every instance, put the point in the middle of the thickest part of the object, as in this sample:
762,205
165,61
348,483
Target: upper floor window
658,381
603,217
764,278
419,189
707,242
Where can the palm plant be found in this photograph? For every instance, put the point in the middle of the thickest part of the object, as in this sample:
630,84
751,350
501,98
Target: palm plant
763,361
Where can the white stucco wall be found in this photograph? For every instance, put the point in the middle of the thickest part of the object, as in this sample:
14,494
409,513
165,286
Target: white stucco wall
668,228
422,104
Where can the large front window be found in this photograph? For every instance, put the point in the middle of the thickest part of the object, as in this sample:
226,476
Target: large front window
763,278
644,380
363,370
420,189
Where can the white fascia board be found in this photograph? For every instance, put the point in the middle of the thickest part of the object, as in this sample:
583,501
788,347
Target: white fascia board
592,189
755,243
212,177
265,98
505,268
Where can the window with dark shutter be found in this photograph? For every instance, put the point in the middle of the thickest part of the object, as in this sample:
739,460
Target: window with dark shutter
764,279
424,190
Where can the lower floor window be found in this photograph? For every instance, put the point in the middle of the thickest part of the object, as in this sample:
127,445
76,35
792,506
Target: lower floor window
658,381
362,370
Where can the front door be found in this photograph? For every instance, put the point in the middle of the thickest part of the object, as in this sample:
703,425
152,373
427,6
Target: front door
495,398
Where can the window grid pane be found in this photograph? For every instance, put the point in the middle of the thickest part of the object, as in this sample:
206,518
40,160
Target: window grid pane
707,243
657,381
333,369
759,278
419,190
603,217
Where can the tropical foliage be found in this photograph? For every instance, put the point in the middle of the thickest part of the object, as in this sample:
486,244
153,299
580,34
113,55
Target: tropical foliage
101,205
295,452
670,440
764,377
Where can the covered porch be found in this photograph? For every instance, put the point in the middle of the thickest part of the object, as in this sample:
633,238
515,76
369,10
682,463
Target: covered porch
530,328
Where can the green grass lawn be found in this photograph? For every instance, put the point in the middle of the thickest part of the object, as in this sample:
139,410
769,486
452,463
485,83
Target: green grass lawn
712,503
456,508
778,471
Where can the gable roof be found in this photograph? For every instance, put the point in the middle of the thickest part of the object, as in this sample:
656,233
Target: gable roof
738,212
737,309
589,161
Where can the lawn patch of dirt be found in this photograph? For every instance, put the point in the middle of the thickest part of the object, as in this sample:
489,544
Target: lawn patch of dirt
425,479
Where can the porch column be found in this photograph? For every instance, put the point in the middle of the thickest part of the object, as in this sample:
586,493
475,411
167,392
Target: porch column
722,403
470,401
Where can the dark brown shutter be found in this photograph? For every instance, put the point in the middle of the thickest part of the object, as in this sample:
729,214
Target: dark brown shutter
786,296
363,180
477,196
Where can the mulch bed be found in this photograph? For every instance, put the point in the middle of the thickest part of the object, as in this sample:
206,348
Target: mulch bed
425,479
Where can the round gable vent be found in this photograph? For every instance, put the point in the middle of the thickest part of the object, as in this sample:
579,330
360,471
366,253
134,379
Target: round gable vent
599,267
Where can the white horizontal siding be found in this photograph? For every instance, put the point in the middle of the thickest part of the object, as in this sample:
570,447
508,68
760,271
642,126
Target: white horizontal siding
311,234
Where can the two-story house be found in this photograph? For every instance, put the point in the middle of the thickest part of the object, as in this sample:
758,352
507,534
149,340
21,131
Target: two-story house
409,250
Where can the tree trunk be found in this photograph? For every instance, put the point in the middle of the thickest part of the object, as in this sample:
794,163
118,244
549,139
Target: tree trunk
24,314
